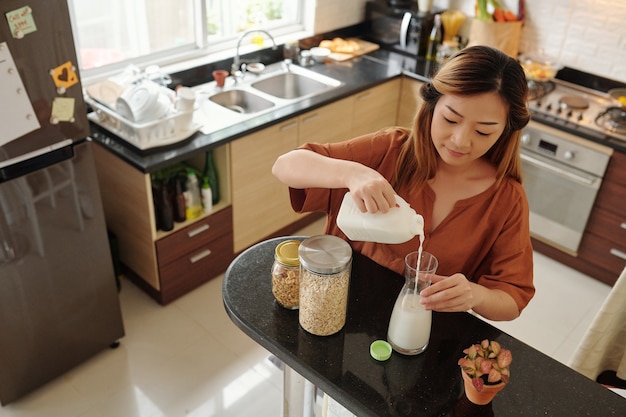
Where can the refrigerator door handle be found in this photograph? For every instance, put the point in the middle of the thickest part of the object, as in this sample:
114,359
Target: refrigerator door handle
36,160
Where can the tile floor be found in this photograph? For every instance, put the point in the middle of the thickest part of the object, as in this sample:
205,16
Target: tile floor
188,359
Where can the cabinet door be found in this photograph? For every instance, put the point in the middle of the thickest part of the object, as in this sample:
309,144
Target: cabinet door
376,108
331,123
129,212
409,101
261,203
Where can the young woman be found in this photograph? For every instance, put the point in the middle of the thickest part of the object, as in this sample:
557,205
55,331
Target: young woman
459,167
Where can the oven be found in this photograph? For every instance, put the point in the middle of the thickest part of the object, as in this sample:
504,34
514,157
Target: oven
562,174
565,151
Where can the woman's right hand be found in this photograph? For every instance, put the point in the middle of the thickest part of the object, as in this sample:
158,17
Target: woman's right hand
371,191
302,168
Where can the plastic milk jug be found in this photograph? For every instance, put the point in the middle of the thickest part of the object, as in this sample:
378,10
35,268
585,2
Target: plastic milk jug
400,224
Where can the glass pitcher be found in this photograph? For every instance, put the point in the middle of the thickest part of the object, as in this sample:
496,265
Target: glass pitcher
409,326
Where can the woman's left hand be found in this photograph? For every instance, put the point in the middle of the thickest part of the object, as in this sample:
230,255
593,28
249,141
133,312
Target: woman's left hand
453,293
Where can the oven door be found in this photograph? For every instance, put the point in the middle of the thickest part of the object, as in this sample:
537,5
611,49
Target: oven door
560,199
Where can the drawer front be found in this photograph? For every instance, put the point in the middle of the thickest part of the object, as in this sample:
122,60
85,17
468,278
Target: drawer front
603,253
610,226
194,269
189,239
611,197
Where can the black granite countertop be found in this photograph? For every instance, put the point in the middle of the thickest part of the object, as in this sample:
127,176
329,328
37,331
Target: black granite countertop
429,384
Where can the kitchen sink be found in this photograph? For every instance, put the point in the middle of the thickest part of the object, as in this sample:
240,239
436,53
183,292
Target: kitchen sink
241,101
253,95
294,83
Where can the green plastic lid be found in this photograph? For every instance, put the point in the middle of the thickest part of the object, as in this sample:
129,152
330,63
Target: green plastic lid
380,350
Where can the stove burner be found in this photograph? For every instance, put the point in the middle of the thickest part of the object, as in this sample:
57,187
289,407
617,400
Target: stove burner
537,89
613,120
574,102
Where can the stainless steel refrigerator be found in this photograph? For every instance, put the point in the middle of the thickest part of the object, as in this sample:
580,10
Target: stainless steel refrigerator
59,304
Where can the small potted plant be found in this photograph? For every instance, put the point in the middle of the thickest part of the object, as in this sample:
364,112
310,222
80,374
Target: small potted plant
485,370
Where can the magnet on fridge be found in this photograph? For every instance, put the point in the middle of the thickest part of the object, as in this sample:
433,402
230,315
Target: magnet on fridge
64,76
21,22
62,110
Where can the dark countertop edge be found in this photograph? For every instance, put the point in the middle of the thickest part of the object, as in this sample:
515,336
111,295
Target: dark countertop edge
369,73
151,160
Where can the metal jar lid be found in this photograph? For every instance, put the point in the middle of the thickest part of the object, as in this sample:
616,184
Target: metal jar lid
287,253
325,254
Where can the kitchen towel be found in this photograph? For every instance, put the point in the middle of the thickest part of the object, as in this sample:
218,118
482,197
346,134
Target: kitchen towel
603,348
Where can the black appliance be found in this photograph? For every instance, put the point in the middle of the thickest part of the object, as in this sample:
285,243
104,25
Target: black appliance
58,297
399,26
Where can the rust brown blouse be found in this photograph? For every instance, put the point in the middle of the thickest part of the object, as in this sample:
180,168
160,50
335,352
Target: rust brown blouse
486,237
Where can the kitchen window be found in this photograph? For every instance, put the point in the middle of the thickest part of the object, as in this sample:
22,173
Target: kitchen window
113,34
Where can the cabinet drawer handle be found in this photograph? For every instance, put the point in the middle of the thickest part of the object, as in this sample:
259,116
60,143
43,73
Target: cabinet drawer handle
198,230
288,125
310,117
623,225
199,256
365,95
618,253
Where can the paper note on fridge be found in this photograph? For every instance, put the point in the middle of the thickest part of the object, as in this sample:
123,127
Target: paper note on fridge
17,116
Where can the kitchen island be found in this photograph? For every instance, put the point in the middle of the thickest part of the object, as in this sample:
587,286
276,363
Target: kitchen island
429,384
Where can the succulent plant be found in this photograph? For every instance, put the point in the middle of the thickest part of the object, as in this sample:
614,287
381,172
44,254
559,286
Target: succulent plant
486,363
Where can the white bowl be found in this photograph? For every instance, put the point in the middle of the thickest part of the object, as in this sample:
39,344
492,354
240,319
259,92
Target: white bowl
319,53
143,102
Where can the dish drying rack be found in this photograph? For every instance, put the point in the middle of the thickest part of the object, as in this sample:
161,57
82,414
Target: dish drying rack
164,131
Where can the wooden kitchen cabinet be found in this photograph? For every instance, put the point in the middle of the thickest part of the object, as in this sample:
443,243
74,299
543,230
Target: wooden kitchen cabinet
195,254
331,123
165,264
260,202
376,107
604,245
409,101
261,205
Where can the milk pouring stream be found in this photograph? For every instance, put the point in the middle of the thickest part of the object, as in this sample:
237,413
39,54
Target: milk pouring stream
400,224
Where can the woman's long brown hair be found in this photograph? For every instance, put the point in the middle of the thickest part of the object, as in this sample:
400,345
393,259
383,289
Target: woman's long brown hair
473,70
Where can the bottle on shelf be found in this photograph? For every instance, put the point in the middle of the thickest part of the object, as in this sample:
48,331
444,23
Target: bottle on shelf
179,199
434,40
207,196
210,172
165,211
193,202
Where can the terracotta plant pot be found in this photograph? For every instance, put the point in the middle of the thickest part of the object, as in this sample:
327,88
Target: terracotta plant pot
480,397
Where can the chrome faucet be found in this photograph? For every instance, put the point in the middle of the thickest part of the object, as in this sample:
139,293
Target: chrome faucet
235,69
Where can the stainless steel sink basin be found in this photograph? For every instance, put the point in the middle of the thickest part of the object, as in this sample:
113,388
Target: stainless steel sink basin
241,101
293,85
254,95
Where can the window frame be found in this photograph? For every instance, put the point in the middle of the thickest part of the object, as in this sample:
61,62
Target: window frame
202,50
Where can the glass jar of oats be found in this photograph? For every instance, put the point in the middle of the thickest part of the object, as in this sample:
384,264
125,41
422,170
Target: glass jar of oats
325,263
286,274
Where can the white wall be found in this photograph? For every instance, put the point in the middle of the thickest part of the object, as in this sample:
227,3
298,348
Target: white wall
589,35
